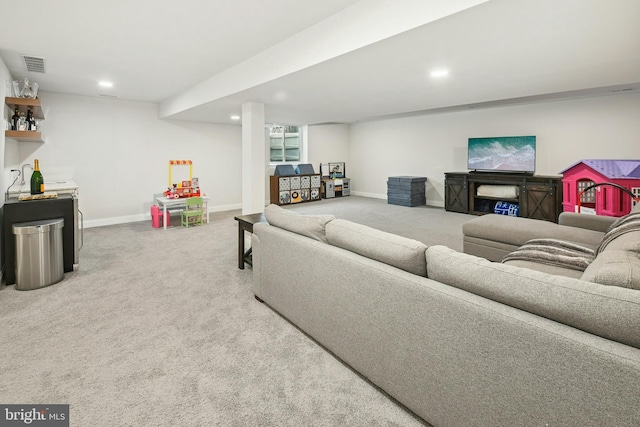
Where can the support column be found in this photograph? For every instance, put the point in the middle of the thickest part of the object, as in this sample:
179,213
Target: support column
253,158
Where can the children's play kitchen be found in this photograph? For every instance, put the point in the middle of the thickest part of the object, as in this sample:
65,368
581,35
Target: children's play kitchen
174,198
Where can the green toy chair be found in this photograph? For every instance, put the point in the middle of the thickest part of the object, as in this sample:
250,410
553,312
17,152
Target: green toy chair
192,214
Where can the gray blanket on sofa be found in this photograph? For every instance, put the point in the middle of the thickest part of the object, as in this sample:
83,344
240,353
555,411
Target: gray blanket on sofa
553,252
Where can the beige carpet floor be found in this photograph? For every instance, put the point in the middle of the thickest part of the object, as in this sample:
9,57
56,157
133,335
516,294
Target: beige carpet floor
160,328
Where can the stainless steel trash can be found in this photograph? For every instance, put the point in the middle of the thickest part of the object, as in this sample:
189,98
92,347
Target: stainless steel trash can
39,254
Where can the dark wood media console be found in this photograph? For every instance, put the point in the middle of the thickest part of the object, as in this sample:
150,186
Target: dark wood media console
538,197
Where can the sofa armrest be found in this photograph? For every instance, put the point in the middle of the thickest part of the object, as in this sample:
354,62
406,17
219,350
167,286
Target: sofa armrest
589,222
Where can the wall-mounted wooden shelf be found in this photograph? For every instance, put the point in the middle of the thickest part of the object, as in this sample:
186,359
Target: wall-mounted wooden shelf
24,104
24,135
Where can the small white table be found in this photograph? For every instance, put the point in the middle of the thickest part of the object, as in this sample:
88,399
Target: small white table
177,203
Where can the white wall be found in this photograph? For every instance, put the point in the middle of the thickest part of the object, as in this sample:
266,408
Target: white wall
329,143
5,90
430,145
118,152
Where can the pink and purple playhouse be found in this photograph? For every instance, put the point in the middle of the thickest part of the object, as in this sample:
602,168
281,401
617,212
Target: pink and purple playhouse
616,199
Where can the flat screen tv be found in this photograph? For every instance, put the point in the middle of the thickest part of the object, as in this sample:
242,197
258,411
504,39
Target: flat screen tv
502,154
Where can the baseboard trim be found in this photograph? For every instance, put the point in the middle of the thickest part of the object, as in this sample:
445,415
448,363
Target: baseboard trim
384,197
372,195
102,222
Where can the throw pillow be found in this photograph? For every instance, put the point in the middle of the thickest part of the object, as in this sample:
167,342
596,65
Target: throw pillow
397,251
626,224
615,268
312,226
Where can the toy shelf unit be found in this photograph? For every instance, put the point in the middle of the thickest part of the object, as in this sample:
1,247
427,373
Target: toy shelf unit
24,106
479,193
288,189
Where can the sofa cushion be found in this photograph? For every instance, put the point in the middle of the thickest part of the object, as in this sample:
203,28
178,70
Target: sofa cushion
517,231
617,261
615,268
401,252
629,223
608,311
308,225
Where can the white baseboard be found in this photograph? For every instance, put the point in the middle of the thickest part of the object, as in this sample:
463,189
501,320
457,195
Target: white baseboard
384,197
372,195
102,222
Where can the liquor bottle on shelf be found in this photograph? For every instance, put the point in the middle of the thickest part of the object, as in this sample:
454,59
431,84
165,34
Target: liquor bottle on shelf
29,120
33,124
15,119
37,181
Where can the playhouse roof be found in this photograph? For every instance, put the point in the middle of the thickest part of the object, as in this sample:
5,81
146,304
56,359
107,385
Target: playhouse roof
613,169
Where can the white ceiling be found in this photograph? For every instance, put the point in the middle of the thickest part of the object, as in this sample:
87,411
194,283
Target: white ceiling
201,60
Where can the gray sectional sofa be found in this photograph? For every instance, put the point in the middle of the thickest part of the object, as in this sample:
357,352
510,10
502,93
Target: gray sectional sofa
457,339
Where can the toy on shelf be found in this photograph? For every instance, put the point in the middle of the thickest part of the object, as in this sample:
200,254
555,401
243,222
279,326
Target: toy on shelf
182,189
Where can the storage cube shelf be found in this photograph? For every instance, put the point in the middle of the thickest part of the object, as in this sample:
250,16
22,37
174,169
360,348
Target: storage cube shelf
289,189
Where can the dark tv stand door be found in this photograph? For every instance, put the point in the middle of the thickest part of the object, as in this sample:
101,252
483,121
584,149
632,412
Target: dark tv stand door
539,197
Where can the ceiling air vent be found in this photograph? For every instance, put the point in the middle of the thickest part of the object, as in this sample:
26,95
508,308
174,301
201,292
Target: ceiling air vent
34,64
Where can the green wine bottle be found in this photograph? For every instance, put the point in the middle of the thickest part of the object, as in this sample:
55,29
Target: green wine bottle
37,181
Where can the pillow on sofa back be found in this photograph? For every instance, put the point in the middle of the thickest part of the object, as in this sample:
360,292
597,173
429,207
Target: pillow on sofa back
618,256
397,251
608,311
629,223
312,226
615,267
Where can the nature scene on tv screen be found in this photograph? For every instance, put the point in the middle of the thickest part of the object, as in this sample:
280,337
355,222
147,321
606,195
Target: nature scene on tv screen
504,153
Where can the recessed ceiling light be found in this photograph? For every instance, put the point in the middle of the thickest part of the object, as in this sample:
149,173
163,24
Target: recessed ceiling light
439,73
235,117
105,84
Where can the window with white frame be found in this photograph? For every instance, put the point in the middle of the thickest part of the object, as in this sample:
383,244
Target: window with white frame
287,143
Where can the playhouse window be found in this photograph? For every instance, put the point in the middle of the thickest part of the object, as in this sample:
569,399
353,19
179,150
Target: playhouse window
636,192
588,197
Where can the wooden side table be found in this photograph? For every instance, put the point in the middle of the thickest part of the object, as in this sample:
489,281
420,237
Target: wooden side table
245,223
